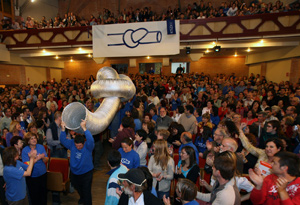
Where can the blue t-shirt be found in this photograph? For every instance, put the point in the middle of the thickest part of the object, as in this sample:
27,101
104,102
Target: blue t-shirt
15,182
39,168
138,124
175,103
81,161
201,144
130,159
194,202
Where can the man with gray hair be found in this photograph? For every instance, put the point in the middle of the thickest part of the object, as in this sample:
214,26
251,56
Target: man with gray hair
135,189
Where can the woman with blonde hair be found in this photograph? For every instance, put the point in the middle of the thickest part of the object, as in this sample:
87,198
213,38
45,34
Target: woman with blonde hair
161,165
14,130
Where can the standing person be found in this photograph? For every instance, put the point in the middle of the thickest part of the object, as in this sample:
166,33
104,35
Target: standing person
81,161
114,162
161,165
282,186
224,191
53,137
14,175
130,158
37,182
140,146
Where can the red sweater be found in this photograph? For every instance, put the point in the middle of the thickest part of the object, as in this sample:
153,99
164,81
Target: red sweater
268,194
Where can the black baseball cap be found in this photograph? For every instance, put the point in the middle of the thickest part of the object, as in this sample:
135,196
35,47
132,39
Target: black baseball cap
134,176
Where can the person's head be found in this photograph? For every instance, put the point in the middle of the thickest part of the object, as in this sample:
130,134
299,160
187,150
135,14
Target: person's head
10,156
273,126
189,109
219,135
162,112
186,137
206,117
57,117
147,117
228,144
224,165
287,121
262,116
128,122
163,134
251,114
133,181
187,155
32,127
286,163
273,145
114,158
186,190
140,135
14,126
30,139
290,110
79,141
126,145
148,126
16,142
253,129
236,118
7,112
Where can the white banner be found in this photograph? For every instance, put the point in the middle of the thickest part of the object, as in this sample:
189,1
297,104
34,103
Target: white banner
135,39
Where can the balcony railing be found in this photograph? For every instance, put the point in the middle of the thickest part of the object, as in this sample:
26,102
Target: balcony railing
286,23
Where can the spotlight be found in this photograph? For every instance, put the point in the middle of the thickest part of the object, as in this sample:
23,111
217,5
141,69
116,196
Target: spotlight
207,51
89,55
188,50
235,55
248,50
148,57
217,48
56,57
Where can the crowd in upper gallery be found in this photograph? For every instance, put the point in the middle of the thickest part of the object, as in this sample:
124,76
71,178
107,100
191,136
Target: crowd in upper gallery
195,11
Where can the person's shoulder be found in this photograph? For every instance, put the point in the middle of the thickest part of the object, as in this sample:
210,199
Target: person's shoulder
151,199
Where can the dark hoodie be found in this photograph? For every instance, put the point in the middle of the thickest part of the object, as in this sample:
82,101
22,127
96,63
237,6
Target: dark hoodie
125,133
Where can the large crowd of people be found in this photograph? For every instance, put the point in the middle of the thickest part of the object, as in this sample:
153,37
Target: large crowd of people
236,125
195,11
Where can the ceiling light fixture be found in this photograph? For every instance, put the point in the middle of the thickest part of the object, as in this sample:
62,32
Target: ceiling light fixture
207,51
148,57
89,55
235,55
56,57
44,51
71,60
248,50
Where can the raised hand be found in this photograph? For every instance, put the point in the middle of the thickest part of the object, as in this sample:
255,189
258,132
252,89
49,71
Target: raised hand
256,177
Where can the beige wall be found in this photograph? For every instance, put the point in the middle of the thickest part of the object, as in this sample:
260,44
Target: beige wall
35,75
276,71
55,73
255,69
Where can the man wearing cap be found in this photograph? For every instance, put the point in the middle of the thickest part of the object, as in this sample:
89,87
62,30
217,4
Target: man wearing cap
135,189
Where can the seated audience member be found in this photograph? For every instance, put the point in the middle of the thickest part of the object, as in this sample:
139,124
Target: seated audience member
116,168
130,158
126,130
163,120
186,140
135,189
17,142
161,165
14,175
140,146
282,186
163,135
187,119
224,190
175,130
186,191
187,166
14,130
250,118
204,136
265,156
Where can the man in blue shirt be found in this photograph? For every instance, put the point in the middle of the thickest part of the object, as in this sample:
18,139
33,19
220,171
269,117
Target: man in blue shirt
81,162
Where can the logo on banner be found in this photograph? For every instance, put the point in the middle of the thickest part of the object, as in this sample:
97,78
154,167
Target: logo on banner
133,38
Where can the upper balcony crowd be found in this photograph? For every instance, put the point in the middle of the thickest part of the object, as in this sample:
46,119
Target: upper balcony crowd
194,11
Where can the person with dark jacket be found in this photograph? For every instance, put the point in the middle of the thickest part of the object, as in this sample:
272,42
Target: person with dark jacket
126,130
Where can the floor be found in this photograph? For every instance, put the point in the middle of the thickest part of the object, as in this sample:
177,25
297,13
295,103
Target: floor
98,187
